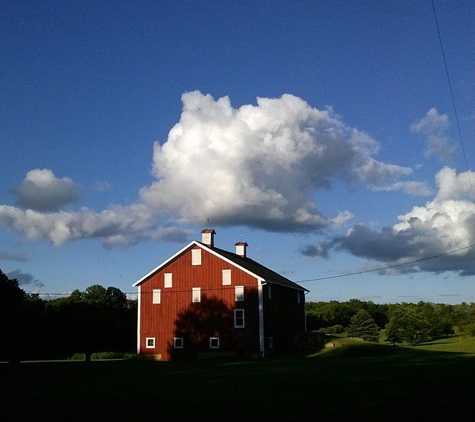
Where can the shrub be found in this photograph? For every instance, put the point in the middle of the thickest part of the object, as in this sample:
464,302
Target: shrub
334,329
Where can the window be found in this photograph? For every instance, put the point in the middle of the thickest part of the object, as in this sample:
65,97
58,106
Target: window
214,342
168,280
269,292
271,342
226,277
239,318
239,293
150,342
196,294
156,296
178,343
196,257
298,297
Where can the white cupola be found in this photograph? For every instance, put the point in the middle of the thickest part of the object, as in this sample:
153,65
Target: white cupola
241,249
207,237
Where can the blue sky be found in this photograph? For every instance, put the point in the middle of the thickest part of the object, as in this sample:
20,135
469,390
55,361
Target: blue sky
321,133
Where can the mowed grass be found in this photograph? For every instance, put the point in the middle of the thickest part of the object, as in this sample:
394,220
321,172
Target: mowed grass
353,381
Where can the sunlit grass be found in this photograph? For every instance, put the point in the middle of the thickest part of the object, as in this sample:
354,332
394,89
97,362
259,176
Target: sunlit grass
456,344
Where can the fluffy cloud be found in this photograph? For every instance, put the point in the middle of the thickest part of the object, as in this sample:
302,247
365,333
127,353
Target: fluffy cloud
8,256
42,191
434,127
442,226
114,227
25,279
261,165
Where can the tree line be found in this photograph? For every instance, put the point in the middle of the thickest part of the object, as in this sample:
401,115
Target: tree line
409,323
102,319
98,319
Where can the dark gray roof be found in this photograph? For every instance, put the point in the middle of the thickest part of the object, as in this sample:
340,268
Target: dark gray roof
258,269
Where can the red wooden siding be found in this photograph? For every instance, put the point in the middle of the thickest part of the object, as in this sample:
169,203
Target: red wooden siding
178,316
284,316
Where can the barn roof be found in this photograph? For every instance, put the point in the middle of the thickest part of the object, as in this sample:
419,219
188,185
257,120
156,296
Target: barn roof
245,263
258,269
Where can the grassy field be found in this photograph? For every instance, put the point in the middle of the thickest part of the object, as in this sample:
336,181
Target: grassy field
353,381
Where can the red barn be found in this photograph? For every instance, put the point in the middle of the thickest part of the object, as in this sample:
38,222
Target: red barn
207,301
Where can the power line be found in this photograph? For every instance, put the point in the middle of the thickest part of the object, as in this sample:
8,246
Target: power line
388,266
204,289
452,97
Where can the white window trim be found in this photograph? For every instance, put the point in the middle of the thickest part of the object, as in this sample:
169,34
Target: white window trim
153,342
156,296
168,280
196,257
239,293
211,339
178,343
196,294
226,277
236,311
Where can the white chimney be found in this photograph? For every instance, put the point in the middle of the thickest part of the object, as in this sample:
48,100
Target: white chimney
207,237
241,249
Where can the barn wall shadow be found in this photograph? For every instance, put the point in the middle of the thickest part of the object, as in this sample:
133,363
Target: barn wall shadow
213,318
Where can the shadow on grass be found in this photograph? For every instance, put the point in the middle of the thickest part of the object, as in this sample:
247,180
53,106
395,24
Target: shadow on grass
351,381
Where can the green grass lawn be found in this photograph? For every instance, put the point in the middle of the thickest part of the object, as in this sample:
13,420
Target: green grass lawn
354,381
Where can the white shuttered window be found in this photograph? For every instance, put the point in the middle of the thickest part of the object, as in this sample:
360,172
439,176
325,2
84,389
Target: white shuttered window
168,280
239,293
156,296
226,277
196,257
196,294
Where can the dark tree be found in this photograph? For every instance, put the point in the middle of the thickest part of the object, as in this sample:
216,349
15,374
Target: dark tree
11,304
363,325
96,320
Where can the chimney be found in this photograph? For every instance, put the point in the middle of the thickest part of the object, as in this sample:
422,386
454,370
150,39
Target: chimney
207,237
241,249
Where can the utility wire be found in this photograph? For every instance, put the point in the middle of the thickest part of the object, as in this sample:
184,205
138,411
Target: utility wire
388,266
452,97
204,289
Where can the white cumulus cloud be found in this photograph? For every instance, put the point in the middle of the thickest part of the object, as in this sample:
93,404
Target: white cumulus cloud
440,235
41,190
261,165
118,226
258,165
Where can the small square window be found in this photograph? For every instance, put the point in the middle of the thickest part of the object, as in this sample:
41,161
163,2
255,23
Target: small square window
214,342
150,342
178,343
196,257
239,293
156,296
196,294
167,280
239,318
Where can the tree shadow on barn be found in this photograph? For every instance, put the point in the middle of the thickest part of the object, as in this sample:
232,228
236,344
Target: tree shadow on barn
206,330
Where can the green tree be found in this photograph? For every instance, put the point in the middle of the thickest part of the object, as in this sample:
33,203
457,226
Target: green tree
363,325
417,323
95,320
